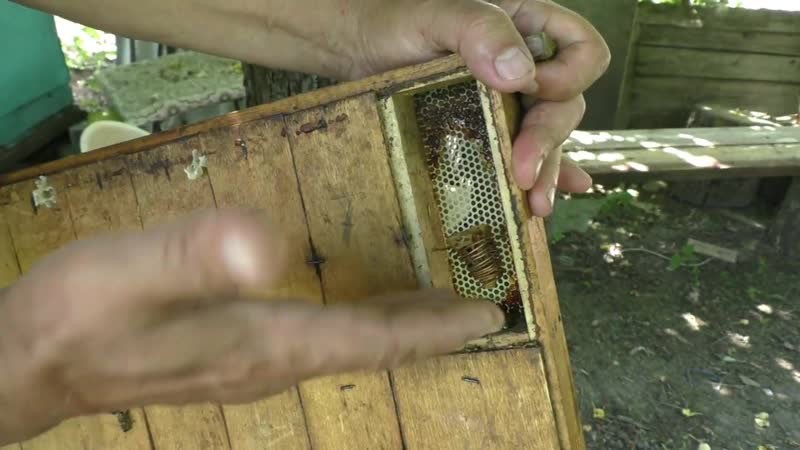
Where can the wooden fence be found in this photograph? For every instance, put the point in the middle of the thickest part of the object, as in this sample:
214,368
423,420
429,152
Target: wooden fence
725,56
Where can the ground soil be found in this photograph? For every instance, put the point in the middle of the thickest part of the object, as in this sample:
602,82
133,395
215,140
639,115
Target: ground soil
676,358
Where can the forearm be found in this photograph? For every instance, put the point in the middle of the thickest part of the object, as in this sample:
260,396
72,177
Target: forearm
297,35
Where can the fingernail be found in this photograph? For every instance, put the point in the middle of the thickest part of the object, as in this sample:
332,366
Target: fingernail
513,64
551,196
538,169
239,258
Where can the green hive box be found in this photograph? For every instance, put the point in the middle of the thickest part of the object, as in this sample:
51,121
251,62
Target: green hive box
34,80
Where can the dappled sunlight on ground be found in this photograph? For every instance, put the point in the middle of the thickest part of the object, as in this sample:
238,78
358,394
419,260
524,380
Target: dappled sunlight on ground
694,322
676,348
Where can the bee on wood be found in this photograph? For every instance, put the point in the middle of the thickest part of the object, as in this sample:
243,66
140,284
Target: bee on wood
477,249
125,420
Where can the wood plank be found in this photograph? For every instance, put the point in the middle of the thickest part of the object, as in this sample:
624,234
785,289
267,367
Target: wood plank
251,166
685,162
36,232
9,267
394,79
739,41
164,192
496,400
658,102
549,329
98,432
615,140
723,18
693,63
353,219
100,199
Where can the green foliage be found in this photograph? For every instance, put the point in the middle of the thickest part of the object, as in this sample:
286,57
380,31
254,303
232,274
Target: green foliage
577,214
683,256
87,51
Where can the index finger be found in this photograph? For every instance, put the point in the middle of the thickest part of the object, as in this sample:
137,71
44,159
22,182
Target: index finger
582,55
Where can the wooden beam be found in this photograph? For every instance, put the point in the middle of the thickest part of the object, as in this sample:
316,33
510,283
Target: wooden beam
739,41
693,162
615,140
739,19
712,64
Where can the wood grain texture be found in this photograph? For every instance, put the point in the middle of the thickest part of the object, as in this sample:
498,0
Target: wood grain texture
741,19
164,193
702,137
347,191
100,199
693,63
492,400
395,79
543,295
739,41
9,267
98,432
664,102
36,232
250,166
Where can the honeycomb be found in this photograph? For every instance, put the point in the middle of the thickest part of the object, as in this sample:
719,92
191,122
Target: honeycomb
459,160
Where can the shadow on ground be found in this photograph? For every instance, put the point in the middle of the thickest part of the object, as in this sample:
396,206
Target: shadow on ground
671,349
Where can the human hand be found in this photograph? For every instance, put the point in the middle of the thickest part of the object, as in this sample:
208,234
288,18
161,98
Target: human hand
164,316
490,38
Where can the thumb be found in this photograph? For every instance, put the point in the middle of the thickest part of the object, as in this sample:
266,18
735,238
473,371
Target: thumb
482,33
486,38
210,255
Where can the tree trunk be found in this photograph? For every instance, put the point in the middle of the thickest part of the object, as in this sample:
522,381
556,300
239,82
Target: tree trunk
264,85
786,229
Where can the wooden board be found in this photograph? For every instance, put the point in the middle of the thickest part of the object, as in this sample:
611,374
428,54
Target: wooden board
764,20
707,137
693,63
346,189
739,41
9,267
691,162
258,152
333,191
665,102
477,401
547,317
164,193
100,199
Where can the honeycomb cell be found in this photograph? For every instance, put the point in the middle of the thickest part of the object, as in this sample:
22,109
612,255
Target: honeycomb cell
454,137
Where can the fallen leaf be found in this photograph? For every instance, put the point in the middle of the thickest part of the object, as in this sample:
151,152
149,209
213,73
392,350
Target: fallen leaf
587,428
744,322
689,413
703,446
599,413
728,359
749,381
762,420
